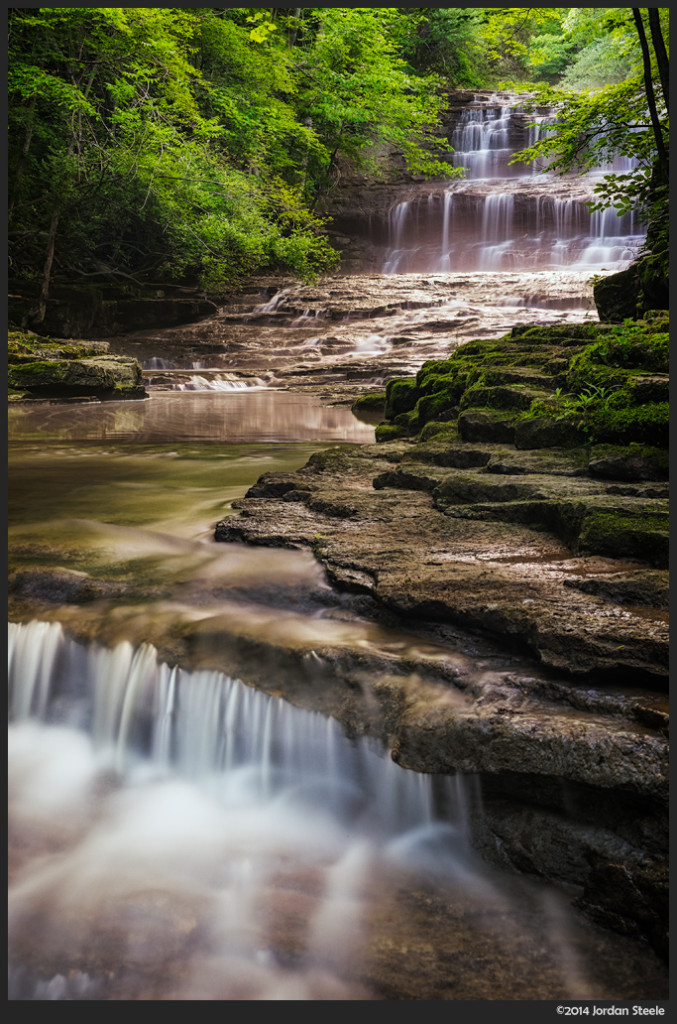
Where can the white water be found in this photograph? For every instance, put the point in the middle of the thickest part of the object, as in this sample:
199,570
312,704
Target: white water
151,806
504,217
145,718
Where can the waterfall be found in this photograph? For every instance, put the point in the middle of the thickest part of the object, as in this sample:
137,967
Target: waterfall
445,260
220,382
204,726
504,217
396,223
179,834
481,142
497,229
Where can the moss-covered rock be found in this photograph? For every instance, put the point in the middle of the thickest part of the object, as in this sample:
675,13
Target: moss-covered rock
43,368
488,425
390,432
437,429
481,396
543,432
401,396
461,489
620,532
372,403
631,462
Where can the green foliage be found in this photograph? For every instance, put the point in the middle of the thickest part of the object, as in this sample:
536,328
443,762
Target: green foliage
447,43
176,143
523,43
359,96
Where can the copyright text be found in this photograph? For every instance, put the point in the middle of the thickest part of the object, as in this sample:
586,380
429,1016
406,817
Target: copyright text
611,1011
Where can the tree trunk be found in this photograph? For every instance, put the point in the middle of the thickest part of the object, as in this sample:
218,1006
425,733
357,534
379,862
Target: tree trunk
650,95
18,174
37,316
661,53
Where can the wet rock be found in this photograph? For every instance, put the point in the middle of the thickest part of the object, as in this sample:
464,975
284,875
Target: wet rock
273,485
628,463
61,586
492,427
647,588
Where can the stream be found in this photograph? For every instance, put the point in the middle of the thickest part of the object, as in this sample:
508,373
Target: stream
176,833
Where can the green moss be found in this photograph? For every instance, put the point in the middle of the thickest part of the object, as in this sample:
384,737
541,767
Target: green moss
26,348
38,374
388,432
644,424
438,430
452,384
408,421
559,334
498,397
401,396
432,367
440,407
627,536
370,403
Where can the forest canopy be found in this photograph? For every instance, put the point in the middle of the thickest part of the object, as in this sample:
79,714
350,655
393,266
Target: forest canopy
203,144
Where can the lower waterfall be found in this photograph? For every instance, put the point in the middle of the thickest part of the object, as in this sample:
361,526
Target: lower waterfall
178,835
140,792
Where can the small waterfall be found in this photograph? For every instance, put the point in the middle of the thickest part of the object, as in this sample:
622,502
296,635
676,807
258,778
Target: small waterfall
397,220
271,305
157,363
481,142
182,817
208,728
445,258
497,230
220,382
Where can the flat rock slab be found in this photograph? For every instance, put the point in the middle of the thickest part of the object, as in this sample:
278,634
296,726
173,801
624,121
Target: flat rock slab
376,526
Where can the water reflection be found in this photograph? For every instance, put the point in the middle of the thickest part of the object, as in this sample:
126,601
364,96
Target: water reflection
237,417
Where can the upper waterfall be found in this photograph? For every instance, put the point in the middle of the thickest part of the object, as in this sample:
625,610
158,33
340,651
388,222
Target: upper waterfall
502,216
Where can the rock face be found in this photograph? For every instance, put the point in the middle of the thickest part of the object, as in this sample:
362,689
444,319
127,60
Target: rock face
44,368
550,545
108,310
630,293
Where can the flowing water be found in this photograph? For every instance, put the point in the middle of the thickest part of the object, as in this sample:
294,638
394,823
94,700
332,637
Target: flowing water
503,215
175,833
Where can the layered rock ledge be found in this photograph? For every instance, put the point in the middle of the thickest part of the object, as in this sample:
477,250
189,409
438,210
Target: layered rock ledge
519,492
47,368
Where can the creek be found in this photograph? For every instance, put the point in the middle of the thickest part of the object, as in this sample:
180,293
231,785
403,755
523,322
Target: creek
176,832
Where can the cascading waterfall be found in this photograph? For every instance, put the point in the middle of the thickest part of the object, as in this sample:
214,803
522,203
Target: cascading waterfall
220,382
203,725
201,768
481,142
503,216
398,219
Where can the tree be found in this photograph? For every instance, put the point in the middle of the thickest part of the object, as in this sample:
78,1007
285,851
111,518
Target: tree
628,118
160,144
126,160
358,94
